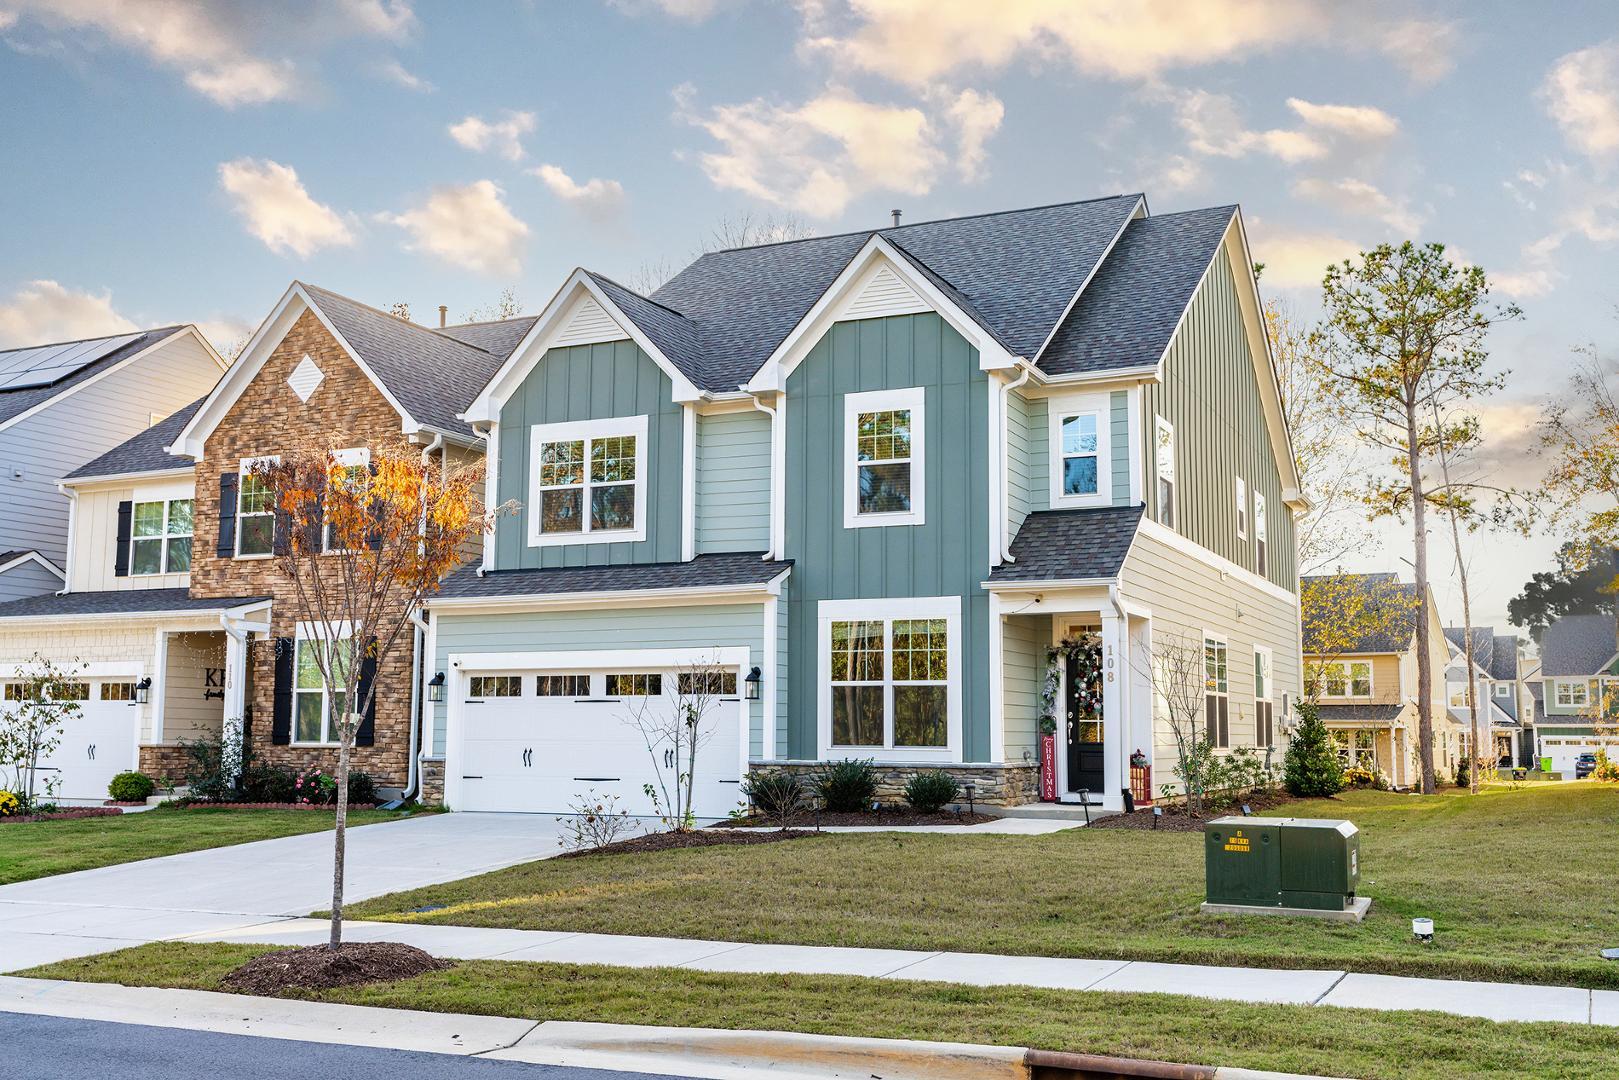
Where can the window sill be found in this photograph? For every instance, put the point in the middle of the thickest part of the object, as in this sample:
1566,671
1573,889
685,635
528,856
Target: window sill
882,521
578,539
266,555
1074,502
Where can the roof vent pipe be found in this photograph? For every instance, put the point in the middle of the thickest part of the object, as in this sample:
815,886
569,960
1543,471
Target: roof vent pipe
443,315
896,217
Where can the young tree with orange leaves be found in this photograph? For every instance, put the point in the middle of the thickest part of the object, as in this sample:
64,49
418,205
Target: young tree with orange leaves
365,537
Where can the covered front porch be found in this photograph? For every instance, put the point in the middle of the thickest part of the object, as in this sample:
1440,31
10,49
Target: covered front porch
1373,737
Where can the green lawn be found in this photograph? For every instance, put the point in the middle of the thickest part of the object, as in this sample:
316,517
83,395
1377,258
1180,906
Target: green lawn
1293,1038
1519,883
41,848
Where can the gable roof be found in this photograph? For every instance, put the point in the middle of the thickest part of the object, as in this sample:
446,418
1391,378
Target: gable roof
1129,311
14,403
11,560
1578,645
1393,637
1070,545
727,570
1483,651
498,337
145,452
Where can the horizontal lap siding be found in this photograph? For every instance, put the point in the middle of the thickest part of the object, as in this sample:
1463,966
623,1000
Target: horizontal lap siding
28,579
1018,437
611,631
1024,640
1119,421
733,482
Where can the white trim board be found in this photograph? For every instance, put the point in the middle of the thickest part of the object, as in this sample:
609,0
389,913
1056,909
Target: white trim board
34,556
1173,539
586,431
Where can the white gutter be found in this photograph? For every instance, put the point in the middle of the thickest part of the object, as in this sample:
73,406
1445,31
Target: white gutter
491,481
777,480
1005,498
761,589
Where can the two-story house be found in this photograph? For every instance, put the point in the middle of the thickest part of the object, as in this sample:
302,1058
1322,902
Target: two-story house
1361,669
877,480
1577,704
1501,694
176,615
65,403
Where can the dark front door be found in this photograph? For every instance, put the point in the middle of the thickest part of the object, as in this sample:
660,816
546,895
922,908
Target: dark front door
1084,712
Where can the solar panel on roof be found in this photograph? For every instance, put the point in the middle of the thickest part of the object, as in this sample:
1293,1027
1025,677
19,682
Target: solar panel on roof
42,365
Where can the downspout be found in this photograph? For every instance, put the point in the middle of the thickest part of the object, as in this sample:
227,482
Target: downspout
420,627
1124,682
491,480
776,542
72,494
1006,499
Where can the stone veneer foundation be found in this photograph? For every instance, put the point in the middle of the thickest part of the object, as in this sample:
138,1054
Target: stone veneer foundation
993,785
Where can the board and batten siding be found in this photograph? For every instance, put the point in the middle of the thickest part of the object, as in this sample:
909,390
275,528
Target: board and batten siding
948,555
95,540
733,482
610,630
82,426
27,579
592,382
1188,598
1211,395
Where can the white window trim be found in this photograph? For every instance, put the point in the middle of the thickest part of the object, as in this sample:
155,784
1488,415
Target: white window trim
1323,667
1261,537
1269,667
1242,509
1572,685
313,631
1223,643
162,538
1160,424
246,467
1502,690
358,455
913,398
947,608
1059,409
539,434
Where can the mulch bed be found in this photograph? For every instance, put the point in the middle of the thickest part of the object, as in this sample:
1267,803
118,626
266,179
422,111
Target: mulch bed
328,807
1176,818
887,817
318,967
67,814
666,841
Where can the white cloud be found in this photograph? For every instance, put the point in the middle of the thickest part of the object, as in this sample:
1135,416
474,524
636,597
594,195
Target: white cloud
466,225
1179,173
43,311
975,117
815,157
597,199
1354,121
226,50
1216,129
504,137
1425,48
1581,93
1359,197
278,210
226,333
397,73
694,11
1296,258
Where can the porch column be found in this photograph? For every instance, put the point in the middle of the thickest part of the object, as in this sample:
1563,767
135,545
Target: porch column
1116,724
235,678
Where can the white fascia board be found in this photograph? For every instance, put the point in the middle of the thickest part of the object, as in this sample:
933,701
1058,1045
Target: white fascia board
486,406
210,616
1139,211
1124,377
1171,538
1042,586
69,391
619,597
772,374
730,656
114,479
34,556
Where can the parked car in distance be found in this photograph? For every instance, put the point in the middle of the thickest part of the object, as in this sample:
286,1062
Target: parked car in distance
1584,766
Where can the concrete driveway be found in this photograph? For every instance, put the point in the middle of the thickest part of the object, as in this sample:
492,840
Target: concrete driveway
113,907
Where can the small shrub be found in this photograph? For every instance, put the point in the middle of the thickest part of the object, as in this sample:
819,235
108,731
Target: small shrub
1461,773
265,783
847,786
362,787
593,821
1606,768
779,796
1310,769
1358,777
9,804
131,787
213,764
929,792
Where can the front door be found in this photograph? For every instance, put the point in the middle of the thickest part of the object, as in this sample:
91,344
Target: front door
1083,708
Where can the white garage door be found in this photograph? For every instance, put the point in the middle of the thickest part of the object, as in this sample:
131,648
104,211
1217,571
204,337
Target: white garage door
540,741
95,745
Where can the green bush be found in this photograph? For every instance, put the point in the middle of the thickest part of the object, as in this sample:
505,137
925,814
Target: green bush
265,783
214,763
1311,768
362,787
847,786
131,787
778,796
929,792
1462,779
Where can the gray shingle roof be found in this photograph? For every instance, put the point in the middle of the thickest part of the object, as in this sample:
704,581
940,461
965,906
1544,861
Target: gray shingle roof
705,571
1504,657
434,375
674,335
1491,715
7,556
497,338
1577,644
1383,634
1070,545
1014,271
1128,313
15,402
1339,713
121,602
1483,650
144,452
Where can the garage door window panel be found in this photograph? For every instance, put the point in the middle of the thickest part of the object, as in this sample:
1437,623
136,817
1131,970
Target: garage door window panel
635,684
496,686
562,686
712,684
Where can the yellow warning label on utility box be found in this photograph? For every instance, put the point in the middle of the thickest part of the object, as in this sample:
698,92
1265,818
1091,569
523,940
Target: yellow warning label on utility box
1238,842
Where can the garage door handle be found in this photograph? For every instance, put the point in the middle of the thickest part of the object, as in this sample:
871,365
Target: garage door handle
668,759
92,751
528,758
599,779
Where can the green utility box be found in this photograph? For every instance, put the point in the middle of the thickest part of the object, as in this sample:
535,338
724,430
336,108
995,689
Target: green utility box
1283,866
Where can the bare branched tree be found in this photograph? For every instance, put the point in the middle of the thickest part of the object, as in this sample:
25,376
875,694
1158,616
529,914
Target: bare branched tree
675,725
1176,672
42,699
504,306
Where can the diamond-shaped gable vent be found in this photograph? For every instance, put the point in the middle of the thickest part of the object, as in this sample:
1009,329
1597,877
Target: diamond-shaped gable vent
305,378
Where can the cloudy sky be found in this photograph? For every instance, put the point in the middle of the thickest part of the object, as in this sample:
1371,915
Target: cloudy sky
182,160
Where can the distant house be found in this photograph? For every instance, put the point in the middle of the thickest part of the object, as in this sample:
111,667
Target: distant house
1578,684
1503,699
62,405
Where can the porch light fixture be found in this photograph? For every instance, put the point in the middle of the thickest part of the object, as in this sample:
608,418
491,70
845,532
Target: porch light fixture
435,688
143,690
753,685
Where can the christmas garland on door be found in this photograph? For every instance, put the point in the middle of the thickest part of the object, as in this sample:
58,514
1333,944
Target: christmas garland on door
1086,653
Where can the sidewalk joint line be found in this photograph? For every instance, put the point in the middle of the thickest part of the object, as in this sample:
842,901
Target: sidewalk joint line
494,1049
908,964
1342,975
1108,975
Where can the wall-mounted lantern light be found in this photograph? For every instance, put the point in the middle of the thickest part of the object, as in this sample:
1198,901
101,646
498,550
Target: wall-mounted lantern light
753,685
143,690
435,688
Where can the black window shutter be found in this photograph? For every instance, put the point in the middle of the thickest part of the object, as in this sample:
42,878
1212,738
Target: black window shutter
1210,722
283,528
366,733
120,557
226,548
315,526
281,720
375,537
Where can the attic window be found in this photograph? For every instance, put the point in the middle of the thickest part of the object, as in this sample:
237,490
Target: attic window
305,379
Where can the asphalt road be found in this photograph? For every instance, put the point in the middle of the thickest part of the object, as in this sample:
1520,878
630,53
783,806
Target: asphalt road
54,1048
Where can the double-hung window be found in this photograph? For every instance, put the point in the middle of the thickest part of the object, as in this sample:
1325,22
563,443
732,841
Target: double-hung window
318,708
1242,509
1341,679
1164,469
1216,691
1261,537
1081,451
588,482
1263,692
160,541
1573,695
350,469
255,509
890,686
884,473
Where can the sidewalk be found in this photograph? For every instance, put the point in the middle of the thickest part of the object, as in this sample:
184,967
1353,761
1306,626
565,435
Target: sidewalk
1492,1001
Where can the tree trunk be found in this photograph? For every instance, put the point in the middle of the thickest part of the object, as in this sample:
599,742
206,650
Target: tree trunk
1467,654
340,836
1419,536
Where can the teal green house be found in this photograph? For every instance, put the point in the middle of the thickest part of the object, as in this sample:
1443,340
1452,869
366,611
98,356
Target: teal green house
1575,691
900,494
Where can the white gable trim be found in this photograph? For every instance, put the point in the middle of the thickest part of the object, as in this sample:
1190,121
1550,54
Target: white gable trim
834,304
881,293
553,324
293,303
34,556
69,391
